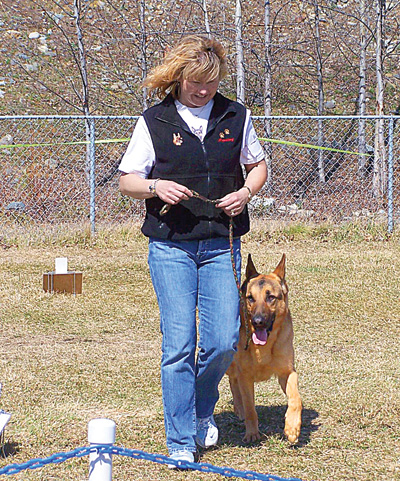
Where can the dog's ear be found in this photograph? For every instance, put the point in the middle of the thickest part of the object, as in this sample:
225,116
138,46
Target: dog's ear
251,271
280,269
280,272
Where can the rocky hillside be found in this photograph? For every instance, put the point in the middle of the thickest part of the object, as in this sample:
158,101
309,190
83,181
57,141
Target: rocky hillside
41,69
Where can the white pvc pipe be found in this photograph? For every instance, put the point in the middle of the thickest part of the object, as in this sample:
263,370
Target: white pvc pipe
100,431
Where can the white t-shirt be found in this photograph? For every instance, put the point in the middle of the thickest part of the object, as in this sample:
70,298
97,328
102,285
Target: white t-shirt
140,156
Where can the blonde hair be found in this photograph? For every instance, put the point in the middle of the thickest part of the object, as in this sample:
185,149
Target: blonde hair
196,57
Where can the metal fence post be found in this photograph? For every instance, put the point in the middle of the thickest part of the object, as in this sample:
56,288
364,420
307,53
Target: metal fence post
100,432
92,174
390,177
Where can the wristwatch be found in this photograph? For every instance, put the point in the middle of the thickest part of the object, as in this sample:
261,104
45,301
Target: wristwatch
152,188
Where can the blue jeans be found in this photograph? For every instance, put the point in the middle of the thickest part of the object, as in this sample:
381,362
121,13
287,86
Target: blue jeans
190,275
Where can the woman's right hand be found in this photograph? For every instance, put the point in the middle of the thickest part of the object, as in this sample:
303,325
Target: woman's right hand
139,188
171,192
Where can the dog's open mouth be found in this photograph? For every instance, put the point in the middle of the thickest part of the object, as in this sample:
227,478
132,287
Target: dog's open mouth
260,337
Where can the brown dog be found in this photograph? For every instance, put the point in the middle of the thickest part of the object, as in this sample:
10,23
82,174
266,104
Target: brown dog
265,349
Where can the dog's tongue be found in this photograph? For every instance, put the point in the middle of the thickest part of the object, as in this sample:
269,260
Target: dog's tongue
260,337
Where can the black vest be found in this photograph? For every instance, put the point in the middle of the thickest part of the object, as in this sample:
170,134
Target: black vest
212,168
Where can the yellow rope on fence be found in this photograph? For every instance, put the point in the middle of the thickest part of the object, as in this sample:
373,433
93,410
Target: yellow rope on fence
110,141
81,142
310,146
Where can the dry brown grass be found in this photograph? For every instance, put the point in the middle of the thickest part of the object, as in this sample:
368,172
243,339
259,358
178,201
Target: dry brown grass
67,359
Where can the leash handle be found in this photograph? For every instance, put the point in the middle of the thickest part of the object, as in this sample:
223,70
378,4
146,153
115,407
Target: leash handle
166,208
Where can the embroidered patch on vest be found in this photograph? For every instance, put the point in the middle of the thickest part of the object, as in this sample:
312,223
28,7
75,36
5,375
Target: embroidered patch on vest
222,136
177,139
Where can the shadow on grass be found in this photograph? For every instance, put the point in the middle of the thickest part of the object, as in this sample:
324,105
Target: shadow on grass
271,424
9,449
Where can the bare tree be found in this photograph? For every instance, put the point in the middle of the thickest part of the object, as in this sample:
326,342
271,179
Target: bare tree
82,58
362,88
318,58
143,48
89,122
267,87
240,71
379,173
206,21
124,39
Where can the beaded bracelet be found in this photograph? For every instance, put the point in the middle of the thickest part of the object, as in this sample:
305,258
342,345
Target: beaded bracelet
152,188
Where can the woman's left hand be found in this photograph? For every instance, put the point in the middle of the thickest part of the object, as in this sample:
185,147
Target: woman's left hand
234,203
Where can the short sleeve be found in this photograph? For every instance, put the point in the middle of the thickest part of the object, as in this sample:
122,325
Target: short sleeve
139,157
252,152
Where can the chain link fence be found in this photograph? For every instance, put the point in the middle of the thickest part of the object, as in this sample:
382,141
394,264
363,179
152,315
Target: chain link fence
63,170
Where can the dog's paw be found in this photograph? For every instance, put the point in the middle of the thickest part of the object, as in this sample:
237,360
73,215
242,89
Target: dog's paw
292,434
251,437
293,424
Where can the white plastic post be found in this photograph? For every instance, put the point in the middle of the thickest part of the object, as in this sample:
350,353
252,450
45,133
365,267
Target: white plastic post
101,431
4,418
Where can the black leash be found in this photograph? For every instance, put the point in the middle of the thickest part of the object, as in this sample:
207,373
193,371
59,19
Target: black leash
167,207
241,296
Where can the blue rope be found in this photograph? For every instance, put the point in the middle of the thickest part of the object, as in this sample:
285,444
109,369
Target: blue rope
136,454
53,459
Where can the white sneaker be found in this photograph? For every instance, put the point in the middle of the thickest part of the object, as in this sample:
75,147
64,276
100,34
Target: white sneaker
207,432
184,456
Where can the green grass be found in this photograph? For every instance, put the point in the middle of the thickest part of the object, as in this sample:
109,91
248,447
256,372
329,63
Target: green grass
67,359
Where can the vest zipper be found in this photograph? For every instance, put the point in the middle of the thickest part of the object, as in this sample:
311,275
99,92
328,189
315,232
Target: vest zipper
208,178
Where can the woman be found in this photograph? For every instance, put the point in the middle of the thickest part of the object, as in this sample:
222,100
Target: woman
194,141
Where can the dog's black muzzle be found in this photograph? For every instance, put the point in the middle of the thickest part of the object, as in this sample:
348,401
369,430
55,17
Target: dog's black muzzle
261,322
